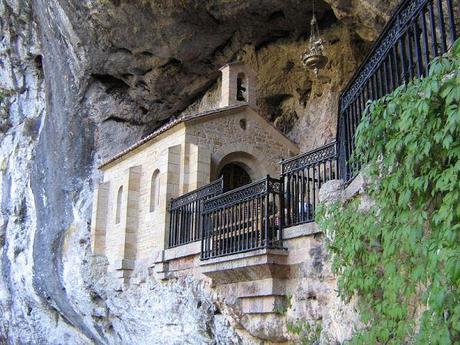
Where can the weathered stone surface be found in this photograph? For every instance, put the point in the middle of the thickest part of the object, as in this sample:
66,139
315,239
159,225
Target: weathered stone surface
84,79
331,191
365,17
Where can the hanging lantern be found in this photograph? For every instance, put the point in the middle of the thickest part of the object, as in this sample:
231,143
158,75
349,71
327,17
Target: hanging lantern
313,58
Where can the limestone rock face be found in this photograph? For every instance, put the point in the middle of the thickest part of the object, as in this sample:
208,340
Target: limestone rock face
365,17
82,79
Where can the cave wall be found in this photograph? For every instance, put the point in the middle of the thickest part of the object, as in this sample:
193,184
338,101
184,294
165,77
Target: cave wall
81,80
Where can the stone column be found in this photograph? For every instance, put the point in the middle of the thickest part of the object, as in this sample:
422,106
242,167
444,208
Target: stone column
126,230
99,218
200,166
172,190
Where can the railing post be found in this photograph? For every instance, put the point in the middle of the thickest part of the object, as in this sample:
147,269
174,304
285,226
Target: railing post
171,225
288,200
336,166
340,144
267,218
281,218
451,16
203,235
282,210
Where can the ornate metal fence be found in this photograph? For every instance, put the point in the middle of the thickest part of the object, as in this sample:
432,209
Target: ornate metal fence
243,219
302,178
185,219
418,31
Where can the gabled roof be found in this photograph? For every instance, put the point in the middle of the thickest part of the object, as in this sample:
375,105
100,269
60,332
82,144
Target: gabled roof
176,121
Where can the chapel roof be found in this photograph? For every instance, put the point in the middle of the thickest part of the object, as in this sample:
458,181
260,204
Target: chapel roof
170,124
180,119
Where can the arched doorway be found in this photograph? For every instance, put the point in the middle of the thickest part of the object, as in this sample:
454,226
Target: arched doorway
234,176
248,162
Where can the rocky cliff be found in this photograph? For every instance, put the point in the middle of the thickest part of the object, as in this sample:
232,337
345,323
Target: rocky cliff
81,80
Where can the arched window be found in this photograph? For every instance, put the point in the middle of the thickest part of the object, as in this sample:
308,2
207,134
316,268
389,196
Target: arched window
118,210
241,87
154,190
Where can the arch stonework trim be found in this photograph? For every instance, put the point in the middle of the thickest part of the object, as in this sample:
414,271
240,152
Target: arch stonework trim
242,154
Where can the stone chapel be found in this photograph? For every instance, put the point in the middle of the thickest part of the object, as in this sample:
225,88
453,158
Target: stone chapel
130,218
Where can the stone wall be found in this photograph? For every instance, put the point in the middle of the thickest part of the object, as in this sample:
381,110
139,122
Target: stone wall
141,229
225,135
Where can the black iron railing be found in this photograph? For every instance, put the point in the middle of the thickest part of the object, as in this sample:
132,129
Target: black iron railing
185,218
418,31
244,219
302,178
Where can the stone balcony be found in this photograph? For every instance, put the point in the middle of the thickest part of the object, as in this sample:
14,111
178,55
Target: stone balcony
257,282
248,266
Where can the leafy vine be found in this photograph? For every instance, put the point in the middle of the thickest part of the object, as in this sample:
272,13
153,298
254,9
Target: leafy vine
402,257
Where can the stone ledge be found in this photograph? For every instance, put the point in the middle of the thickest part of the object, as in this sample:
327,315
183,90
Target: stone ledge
300,230
156,258
178,252
248,254
254,265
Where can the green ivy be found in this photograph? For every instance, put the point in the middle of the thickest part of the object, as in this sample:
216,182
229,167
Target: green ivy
307,332
402,257
282,308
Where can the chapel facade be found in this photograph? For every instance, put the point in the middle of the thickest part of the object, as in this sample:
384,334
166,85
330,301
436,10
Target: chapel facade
130,220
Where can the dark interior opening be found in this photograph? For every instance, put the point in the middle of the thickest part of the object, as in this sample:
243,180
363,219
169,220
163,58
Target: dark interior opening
234,176
241,88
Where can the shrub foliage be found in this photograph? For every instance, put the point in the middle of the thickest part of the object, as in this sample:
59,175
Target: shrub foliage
402,257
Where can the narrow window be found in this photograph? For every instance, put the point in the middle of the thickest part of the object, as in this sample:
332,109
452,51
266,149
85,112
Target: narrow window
154,190
118,210
243,124
241,87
